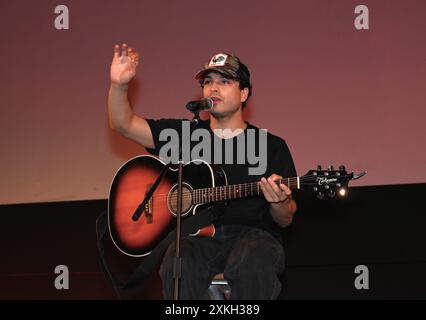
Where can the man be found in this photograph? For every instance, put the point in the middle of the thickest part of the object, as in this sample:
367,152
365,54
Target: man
246,246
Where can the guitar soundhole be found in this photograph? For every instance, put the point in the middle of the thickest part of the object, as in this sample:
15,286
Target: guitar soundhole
186,199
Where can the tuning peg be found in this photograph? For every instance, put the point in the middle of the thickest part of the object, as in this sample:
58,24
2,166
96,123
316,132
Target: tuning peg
319,168
320,195
331,193
342,167
330,168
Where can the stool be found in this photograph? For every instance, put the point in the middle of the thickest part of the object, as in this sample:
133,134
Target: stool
219,288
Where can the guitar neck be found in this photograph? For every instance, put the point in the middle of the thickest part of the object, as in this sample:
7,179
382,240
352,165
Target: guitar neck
237,191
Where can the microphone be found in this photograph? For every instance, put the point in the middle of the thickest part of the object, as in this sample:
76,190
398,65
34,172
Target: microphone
200,105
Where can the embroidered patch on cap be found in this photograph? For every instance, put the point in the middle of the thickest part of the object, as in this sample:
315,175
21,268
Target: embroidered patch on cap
218,60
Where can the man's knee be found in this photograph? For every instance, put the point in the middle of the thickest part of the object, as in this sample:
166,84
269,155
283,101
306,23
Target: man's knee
256,254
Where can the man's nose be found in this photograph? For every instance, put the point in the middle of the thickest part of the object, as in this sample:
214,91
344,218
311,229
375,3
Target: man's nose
214,86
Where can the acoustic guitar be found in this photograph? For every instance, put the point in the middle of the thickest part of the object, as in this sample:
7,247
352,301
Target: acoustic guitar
202,184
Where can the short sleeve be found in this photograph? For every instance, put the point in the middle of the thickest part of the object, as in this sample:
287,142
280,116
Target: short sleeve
157,126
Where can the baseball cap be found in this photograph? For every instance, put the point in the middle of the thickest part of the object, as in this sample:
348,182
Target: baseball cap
226,64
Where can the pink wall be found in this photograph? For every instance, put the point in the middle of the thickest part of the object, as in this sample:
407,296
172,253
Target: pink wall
336,94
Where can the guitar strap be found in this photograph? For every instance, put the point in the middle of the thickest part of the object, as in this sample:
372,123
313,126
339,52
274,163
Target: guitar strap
190,225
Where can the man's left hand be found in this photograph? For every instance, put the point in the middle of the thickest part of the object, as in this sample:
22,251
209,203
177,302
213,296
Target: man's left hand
272,192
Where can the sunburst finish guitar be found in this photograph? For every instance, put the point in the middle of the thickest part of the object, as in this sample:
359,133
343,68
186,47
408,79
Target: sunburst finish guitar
202,184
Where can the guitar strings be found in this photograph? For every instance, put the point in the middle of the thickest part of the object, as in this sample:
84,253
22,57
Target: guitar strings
243,188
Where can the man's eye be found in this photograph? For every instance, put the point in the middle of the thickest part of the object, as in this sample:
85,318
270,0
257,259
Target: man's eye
226,81
206,82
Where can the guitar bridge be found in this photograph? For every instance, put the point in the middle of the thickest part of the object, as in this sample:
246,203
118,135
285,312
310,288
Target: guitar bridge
148,206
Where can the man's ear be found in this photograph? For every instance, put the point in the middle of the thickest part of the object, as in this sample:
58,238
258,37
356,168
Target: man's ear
244,94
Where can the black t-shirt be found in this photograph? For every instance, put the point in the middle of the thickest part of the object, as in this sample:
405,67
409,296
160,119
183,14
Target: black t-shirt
249,165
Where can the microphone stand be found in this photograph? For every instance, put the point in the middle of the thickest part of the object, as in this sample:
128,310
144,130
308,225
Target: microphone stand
141,208
177,263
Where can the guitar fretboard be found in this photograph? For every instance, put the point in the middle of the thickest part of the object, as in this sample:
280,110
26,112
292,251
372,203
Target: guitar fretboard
236,191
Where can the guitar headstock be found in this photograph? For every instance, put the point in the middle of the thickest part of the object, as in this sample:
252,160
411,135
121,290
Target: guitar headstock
328,182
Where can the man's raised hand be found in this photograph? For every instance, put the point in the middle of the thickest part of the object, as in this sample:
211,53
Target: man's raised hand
124,64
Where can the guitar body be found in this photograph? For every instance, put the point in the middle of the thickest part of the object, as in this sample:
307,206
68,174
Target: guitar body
129,187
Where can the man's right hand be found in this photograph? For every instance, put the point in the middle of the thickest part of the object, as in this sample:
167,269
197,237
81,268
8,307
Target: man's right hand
124,64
